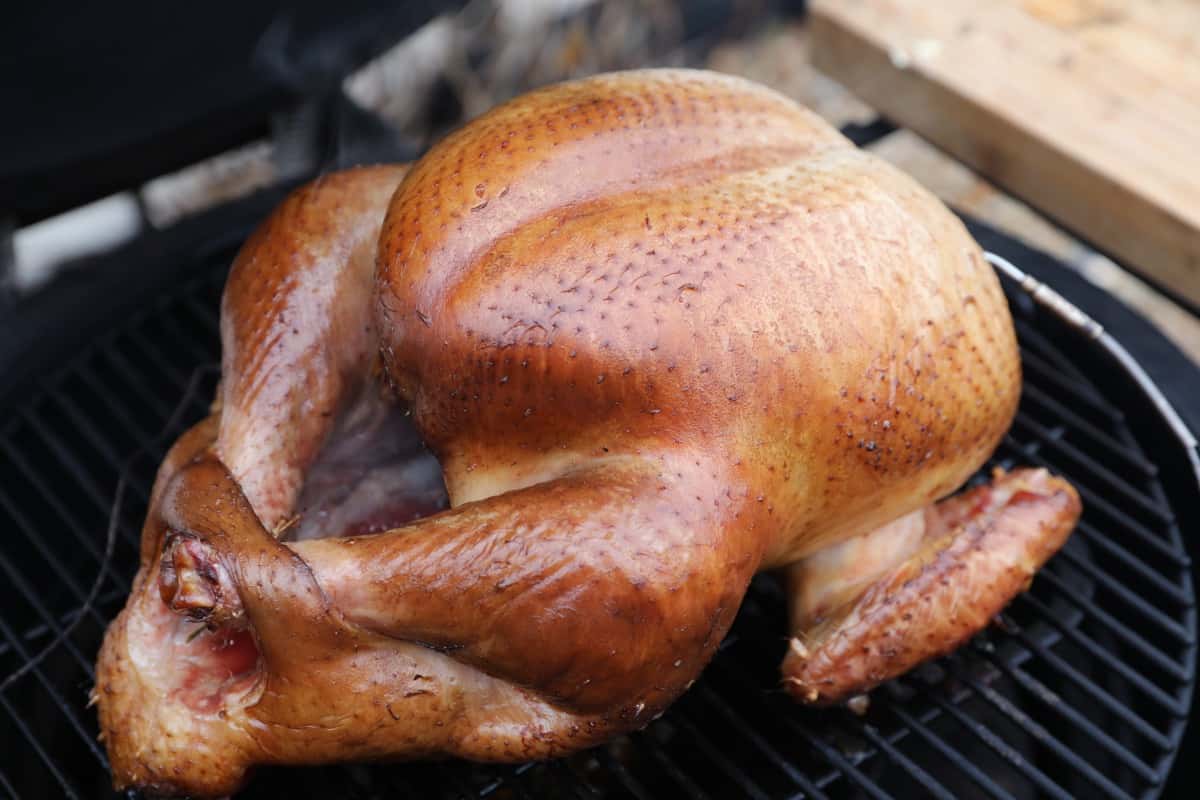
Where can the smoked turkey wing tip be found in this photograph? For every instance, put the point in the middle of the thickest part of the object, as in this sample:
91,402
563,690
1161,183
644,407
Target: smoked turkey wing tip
926,607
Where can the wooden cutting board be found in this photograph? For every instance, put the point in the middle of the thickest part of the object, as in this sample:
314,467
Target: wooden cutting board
1087,109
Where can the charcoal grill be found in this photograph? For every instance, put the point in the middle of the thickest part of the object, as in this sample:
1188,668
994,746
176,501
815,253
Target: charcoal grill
1082,689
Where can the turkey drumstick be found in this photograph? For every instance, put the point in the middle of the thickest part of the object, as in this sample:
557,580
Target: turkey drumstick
658,331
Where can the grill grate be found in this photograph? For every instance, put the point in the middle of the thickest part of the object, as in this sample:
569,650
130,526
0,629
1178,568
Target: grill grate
1081,690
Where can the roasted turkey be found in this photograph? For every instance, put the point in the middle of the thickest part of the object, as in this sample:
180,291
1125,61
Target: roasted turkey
502,437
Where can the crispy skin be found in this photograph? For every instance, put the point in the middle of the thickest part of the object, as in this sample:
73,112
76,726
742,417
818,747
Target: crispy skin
662,330
297,335
977,551
670,259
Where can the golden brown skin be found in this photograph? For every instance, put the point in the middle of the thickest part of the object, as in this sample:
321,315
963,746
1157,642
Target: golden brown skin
661,329
297,334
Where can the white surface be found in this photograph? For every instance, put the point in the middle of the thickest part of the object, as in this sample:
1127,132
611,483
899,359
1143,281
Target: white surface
86,230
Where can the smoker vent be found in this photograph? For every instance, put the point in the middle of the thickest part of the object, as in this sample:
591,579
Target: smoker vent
1081,690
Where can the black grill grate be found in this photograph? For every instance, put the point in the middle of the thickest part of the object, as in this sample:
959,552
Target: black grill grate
1082,690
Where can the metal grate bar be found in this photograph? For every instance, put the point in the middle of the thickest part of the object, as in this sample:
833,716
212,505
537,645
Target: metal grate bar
1134,677
831,755
14,642
518,776
840,762
82,477
1130,561
1107,620
141,436
1160,619
102,445
52,499
1034,365
672,769
199,355
1046,358
914,770
632,785
732,771
933,740
569,781
1077,423
7,786
1092,467
1143,534
38,543
14,576
152,346
180,382
39,630
161,363
509,781
978,776
1099,574
134,379
1094,692
1177,558
1000,747
495,785
738,675
713,700
1033,339
452,777
203,313
1026,680
50,763
1052,700
1038,732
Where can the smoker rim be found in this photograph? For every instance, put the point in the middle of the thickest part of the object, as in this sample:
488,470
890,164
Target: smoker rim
1077,318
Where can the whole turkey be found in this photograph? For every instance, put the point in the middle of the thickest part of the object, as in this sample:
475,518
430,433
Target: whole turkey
502,437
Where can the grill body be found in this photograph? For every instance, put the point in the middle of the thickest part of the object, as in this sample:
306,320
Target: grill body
1081,690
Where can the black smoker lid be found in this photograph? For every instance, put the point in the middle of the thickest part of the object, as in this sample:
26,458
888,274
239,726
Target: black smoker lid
99,97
